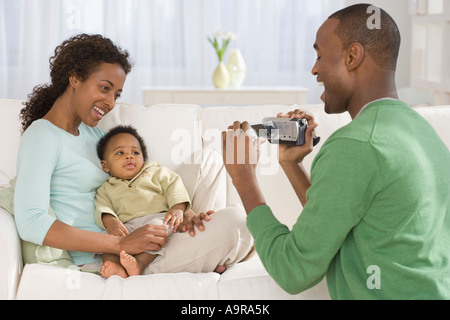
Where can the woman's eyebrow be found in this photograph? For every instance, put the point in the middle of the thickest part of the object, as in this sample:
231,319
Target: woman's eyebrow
112,84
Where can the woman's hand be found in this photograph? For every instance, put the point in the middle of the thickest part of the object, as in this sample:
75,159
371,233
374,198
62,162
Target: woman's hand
191,219
296,154
147,238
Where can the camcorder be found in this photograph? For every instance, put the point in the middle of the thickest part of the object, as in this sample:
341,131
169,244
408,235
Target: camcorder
283,131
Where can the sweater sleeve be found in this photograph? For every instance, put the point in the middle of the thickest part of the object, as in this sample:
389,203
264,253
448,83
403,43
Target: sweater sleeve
344,178
37,158
102,205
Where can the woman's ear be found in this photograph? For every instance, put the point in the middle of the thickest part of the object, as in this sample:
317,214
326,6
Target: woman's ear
105,166
74,80
355,56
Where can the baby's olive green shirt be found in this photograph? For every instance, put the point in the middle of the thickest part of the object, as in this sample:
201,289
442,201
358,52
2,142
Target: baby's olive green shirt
153,190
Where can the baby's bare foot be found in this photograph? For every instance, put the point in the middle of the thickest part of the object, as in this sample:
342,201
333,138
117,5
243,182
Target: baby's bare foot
110,268
130,264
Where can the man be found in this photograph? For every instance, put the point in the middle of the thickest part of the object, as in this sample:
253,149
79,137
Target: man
376,216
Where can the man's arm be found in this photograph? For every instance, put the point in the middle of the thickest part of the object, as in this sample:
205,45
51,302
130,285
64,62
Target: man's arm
291,157
240,156
299,179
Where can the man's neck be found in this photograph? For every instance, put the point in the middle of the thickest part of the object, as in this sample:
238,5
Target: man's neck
373,89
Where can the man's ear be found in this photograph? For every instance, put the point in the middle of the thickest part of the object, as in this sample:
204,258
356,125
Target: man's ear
355,56
105,166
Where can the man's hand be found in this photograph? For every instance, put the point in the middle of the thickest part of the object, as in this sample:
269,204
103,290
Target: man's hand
296,154
240,156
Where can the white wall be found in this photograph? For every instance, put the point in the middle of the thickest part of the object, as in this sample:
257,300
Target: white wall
399,10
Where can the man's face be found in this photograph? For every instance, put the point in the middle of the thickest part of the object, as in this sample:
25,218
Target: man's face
330,68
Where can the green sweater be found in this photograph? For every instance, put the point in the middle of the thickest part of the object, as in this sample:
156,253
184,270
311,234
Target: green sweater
377,218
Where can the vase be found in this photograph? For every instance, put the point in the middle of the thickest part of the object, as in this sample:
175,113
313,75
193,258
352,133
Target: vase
221,76
237,68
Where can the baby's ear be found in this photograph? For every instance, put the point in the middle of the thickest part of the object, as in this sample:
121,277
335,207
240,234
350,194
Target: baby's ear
105,166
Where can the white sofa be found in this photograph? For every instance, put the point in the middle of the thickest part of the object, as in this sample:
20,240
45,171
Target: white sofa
186,138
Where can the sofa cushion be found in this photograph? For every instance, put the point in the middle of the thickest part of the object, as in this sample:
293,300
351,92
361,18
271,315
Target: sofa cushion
10,131
31,252
439,118
250,279
54,283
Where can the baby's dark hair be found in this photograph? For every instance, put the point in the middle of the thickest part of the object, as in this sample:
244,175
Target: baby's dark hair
115,131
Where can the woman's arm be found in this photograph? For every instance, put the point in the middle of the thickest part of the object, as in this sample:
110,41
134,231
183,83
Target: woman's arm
63,236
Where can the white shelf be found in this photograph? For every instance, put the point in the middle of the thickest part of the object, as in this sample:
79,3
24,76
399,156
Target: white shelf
212,96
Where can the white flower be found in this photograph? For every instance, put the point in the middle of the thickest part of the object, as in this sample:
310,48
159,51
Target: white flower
226,37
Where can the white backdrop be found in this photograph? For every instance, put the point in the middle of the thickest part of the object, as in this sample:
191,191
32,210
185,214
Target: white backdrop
166,39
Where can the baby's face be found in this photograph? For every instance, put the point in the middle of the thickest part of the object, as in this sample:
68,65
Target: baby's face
123,156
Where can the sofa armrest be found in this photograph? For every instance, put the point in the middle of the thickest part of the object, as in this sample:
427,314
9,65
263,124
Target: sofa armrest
10,256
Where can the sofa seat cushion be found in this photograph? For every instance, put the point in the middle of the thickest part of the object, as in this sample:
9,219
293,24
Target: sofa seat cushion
250,280
41,281
244,281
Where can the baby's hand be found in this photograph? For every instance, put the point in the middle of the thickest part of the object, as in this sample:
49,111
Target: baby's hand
114,226
175,217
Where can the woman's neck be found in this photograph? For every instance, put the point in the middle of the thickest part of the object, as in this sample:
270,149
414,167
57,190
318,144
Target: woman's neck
61,115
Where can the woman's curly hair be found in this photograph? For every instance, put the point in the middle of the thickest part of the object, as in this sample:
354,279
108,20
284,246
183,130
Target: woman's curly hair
80,56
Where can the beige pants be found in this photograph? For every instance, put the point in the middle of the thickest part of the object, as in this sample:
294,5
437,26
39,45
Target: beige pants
225,241
155,219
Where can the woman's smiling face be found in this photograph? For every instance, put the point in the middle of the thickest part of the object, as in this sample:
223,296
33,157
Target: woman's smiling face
97,95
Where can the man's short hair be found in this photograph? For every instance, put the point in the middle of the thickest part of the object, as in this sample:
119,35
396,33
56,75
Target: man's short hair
381,44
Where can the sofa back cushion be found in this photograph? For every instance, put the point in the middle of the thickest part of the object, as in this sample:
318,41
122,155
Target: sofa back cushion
439,118
10,133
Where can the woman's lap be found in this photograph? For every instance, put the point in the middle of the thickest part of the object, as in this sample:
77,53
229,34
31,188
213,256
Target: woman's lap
225,241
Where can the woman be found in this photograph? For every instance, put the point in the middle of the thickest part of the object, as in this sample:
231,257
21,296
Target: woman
58,167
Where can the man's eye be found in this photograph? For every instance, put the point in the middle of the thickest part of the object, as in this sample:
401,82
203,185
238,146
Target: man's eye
318,58
119,153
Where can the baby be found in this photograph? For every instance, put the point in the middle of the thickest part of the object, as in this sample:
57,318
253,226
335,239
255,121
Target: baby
138,192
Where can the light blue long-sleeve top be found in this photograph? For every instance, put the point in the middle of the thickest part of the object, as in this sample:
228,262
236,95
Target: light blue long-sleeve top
60,170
